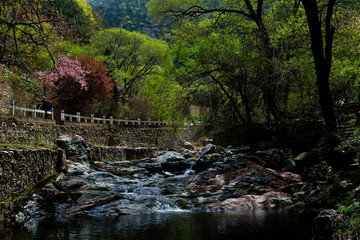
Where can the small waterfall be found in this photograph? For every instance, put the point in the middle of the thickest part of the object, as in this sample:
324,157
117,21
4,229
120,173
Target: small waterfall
190,170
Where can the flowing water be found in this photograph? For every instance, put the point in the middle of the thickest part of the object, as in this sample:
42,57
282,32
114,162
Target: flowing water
244,225
152,202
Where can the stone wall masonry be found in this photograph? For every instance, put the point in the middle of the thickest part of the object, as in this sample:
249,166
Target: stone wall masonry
22,168
6,94
108,154
23,130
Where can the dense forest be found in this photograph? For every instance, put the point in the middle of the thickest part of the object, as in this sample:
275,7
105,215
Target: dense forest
127,14
225,63
238,67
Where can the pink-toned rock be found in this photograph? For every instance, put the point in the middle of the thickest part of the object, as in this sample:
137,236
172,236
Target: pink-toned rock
251,202
290,177
234,204
253,174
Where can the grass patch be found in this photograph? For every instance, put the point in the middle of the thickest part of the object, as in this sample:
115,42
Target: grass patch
31,145
349,226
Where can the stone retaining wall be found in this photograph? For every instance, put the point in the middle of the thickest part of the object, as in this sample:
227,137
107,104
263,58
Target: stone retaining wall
24,130
6,94
20,170
106,153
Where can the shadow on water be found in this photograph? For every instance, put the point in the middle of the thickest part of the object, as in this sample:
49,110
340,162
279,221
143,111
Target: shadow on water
244,225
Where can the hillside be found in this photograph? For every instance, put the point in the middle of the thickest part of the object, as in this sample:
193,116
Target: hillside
131,15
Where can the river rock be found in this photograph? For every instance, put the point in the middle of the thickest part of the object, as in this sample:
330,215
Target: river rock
174,162
209,148
307,159
90,200
273,158
188,145
215,180
152,168
257,178
170,156
297,207
76,149
71,183
267,200
322,225
176,167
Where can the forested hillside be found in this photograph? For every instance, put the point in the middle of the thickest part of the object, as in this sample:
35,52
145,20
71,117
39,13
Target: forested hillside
128,14
226,63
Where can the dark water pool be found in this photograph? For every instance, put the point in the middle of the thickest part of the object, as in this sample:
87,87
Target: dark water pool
246,225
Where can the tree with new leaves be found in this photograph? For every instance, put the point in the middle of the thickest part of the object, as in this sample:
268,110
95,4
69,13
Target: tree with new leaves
24,31
79,21
130,56
322,31
31,30
247,20
320,23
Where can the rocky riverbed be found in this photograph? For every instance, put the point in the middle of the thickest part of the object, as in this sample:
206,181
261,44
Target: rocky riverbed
210,179
197,179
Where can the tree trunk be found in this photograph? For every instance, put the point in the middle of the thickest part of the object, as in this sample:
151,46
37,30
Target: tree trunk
322,58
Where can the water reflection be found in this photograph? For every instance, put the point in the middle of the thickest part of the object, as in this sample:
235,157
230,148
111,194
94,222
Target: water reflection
246,225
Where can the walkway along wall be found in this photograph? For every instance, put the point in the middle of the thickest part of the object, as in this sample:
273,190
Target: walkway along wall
23,167
24,130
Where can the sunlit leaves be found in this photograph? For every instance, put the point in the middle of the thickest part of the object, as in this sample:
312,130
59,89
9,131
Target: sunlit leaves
131,56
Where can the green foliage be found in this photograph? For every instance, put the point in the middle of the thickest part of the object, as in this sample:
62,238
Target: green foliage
221,64
255,68
351,143
226,57
133,59
183,204
349,227
19,81
345,77
80,19
38,142
165,94
128,14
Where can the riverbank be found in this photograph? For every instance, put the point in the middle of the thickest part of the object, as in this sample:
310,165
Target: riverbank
193,178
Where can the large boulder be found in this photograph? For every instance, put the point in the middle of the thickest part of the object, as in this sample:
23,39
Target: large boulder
322,225
272,158
76,149
267,200
210,148
254,178
170,157
174,162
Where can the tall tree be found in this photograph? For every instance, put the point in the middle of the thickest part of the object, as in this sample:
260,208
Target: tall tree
254,14
130,56
29,29
322,46
77,82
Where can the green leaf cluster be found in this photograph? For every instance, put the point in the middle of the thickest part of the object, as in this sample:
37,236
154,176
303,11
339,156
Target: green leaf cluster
349,226
131,56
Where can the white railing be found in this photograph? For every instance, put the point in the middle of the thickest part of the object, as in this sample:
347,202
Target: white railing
92,119
33,112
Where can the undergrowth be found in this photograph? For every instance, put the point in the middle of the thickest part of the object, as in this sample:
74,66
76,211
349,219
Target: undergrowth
348,226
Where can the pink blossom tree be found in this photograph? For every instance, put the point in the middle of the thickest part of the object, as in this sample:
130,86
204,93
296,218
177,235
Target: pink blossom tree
77,82
65,69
